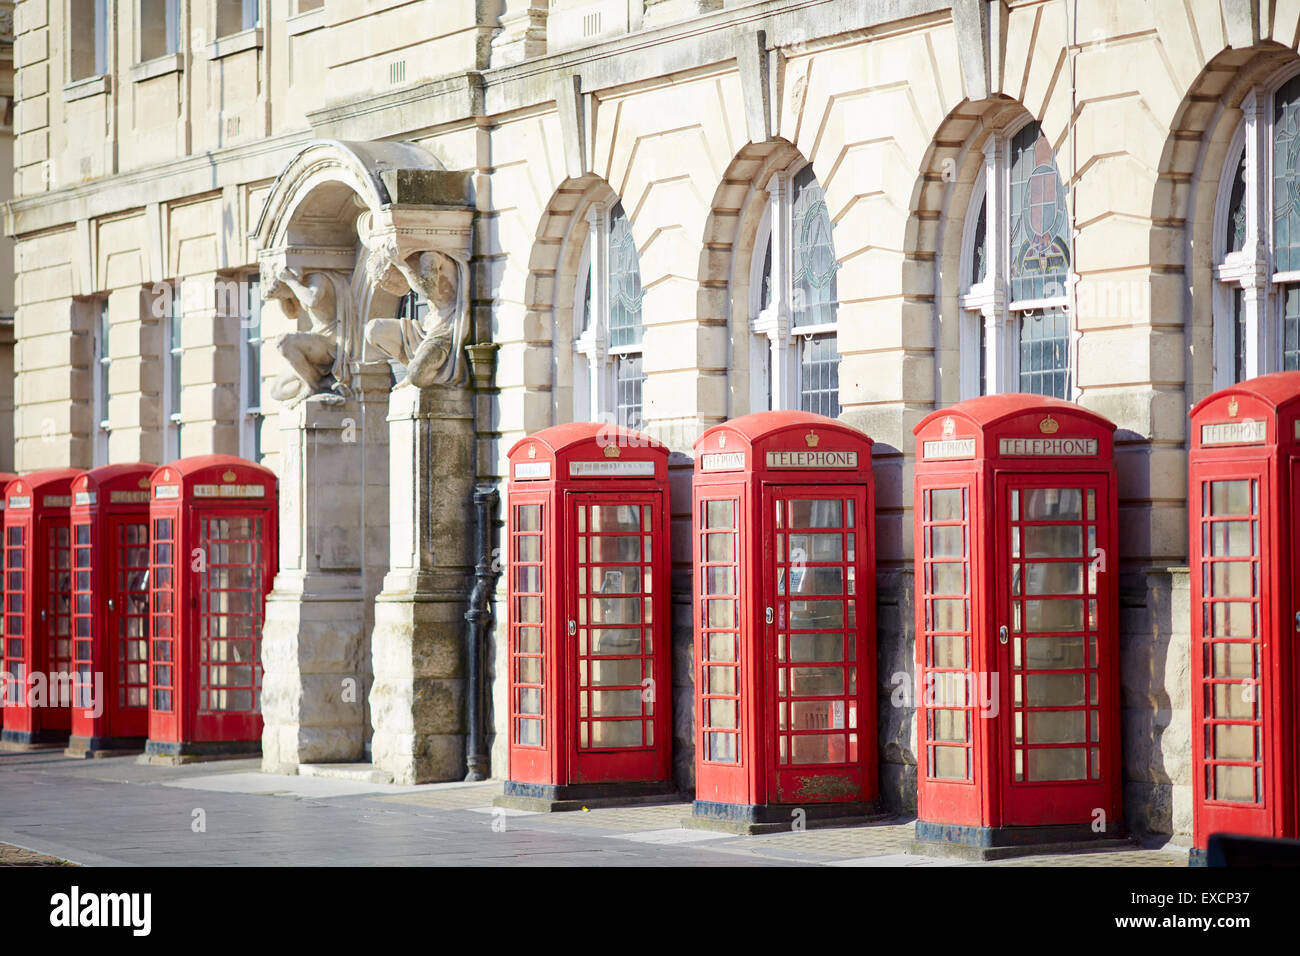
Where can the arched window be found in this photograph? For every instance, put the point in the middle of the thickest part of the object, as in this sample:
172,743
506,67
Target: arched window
1016,330
608,374
1256,242
794,352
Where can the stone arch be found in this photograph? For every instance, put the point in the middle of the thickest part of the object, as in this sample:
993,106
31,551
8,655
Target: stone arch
356,211
1184,200
724,286
549,290
939,205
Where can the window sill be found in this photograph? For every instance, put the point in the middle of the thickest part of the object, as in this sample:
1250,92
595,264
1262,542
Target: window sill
158,66
306,22
250,39
85,88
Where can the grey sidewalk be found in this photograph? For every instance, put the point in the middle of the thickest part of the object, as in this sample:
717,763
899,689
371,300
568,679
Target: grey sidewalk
114,812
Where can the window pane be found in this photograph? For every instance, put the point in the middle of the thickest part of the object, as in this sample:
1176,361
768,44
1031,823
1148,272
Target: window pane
979,254
1045,353
819,374
627,382
624,282
1040,247
1239,334
1290,328
814,266
1286,177
1235,240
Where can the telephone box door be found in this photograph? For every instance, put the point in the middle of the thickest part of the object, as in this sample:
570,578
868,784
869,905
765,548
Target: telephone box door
818,657
55,614
127,625
1054,643
1233,673
228,566
617,609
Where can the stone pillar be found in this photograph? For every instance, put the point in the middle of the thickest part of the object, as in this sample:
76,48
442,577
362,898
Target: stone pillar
315,646
418,698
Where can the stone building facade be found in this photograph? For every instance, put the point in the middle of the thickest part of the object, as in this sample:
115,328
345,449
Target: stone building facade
668,213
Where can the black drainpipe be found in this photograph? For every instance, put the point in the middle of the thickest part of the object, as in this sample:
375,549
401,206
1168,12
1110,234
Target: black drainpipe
479,617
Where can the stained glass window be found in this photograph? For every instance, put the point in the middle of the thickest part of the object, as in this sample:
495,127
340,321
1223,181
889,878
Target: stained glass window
1040,247
1286,178
624,282
1236,238
979,255
815,294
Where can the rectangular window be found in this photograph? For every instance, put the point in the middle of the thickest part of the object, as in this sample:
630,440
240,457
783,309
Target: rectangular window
819,374
87,38
628,382
1290,328
160,28
173,349
250,369
235,16
1045,352
1238,334
99,372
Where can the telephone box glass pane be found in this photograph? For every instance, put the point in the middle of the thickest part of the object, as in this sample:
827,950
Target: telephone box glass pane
613,659
720,683
1231,634
945,626
230,602
1053,532
527,622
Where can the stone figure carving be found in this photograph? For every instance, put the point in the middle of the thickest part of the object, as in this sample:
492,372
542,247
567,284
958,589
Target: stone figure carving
431,349
317,358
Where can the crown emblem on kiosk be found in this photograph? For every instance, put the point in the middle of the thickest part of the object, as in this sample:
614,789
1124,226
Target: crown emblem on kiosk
1049,426
532,451
142,483
812,438
1232,408
611,451
949,427
228,476
722,441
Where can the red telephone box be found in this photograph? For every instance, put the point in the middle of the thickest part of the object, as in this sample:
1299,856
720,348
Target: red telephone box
110,609
589,620
783,547
1244,509
1017,640
38,608
213,539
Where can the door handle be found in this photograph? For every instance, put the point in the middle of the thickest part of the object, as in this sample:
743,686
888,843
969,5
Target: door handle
1297,620
768,616
110,604
1002,634
573,627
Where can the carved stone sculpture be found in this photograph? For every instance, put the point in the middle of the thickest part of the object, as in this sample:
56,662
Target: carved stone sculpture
431,349
317,363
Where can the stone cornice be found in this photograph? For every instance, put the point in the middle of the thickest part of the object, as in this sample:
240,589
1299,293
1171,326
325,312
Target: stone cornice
176,179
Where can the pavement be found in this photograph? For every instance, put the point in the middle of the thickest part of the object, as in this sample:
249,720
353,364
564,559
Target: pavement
117,812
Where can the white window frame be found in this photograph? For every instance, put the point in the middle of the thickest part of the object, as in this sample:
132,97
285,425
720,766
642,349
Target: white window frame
250,414
774,343
989,319
595,385
1252,268
101,362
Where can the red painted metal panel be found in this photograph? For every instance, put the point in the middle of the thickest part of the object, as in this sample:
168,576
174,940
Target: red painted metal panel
588,517
214,538
783,545
1243,527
